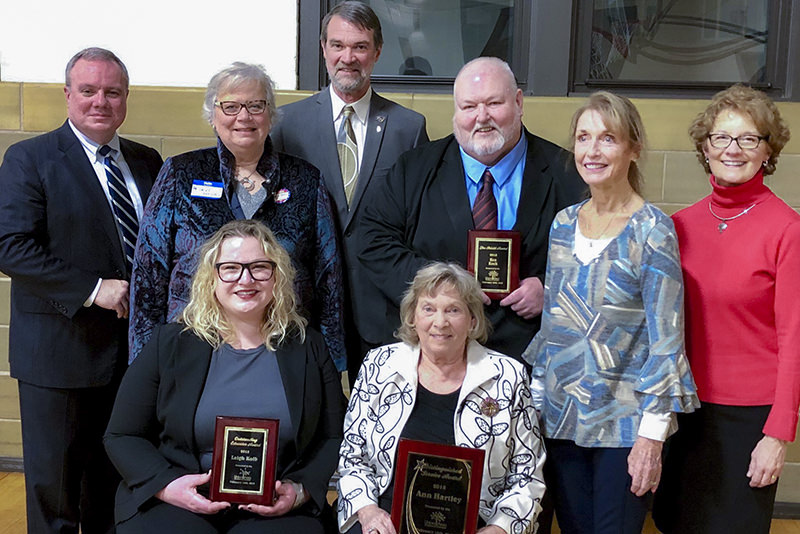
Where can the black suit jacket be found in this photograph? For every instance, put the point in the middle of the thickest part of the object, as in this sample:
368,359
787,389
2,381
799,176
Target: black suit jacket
306,131
422,213
150,437
57,237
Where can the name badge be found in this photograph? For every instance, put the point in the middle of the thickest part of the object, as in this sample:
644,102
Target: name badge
205,189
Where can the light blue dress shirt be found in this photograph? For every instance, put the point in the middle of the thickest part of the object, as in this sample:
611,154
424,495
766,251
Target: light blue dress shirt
507,175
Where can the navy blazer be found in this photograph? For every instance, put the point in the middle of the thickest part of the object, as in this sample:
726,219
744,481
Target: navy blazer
57,237
150,437
306,130
422,213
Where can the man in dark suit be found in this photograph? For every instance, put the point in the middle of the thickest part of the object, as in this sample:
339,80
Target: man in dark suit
424,208
68,213
315,129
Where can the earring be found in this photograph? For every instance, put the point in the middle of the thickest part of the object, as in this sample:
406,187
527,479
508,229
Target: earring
706,161
764,164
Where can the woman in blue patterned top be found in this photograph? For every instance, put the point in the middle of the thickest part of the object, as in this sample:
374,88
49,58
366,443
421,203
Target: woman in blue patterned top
609,368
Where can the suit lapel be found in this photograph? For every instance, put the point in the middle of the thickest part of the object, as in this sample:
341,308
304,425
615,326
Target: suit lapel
191,370
73,157
377,122
292,365
536,184
138,168
326,143
452,190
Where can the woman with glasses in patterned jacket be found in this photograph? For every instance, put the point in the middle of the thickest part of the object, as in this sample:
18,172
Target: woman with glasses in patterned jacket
242,177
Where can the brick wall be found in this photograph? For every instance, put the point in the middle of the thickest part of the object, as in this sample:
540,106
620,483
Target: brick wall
169,119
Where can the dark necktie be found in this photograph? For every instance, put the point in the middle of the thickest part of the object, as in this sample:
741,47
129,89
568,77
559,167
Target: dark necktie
484,210
124,210
348,153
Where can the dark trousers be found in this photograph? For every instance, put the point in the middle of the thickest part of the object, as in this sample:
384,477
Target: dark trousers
592,489
156,516
704,488
69,480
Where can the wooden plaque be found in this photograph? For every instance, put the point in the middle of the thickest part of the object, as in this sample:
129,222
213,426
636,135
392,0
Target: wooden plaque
493,257
437,488
243,468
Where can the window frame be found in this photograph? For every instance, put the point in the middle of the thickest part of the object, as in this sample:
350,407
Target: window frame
548,66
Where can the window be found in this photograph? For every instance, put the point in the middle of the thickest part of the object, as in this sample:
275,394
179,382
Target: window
664,48
678,44
426,42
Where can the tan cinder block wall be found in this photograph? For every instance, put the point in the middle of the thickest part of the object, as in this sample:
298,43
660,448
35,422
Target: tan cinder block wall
169,119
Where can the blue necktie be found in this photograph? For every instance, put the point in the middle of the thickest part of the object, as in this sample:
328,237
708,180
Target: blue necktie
124,210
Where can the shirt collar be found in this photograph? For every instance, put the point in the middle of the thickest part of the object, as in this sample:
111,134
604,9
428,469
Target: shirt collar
502,170
360,106
91,147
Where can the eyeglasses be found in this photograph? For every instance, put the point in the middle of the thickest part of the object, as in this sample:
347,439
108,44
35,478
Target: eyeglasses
745,142
254,107
231,271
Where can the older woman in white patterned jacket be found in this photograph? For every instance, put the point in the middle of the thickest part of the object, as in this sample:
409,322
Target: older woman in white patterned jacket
441,385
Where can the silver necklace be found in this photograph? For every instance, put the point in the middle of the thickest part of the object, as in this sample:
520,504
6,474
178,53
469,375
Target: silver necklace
247,183
608,224
724,220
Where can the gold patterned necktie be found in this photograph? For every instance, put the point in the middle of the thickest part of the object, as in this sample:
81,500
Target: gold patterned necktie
348,153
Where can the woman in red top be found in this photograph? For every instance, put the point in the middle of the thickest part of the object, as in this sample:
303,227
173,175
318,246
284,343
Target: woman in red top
740,254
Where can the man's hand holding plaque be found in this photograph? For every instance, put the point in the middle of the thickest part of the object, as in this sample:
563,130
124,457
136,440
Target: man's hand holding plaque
493,257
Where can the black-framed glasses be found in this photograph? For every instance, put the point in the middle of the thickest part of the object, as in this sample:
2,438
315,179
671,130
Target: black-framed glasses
745,142
254,107
231,271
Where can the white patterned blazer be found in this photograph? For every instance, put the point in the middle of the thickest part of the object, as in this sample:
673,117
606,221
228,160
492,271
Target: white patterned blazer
381,401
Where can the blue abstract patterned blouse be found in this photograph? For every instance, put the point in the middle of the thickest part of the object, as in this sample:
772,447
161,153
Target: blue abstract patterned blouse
180,216
611,343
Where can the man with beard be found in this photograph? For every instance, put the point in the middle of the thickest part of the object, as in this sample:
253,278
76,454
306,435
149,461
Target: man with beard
425,207
353,136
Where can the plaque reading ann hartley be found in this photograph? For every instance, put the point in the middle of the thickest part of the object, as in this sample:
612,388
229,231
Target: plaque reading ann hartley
494,260
437,488
245,450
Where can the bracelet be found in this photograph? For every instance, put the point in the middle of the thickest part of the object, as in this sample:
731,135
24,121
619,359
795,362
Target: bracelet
300,493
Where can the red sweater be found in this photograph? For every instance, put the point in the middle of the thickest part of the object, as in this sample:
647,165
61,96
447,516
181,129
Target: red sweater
743,301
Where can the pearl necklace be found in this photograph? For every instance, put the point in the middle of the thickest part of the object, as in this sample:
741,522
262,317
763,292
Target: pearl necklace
724,220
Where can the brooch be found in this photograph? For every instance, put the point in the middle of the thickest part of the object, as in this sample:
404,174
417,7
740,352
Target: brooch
490,407
282,196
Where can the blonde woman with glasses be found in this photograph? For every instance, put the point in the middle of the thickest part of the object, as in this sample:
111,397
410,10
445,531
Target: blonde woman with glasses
239,349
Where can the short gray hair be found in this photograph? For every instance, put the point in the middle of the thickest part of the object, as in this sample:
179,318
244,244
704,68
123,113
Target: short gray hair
235,75
95,53
428,281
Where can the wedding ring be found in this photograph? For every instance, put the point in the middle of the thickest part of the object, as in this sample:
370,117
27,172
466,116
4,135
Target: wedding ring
372,529
774,477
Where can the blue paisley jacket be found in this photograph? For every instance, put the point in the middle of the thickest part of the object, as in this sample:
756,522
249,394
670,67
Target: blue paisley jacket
381,401
176,223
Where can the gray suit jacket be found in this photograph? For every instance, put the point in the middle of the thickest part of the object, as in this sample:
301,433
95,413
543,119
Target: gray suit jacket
306,130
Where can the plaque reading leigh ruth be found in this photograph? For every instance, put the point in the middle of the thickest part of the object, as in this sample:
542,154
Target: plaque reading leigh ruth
494,260
245,450
437,488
